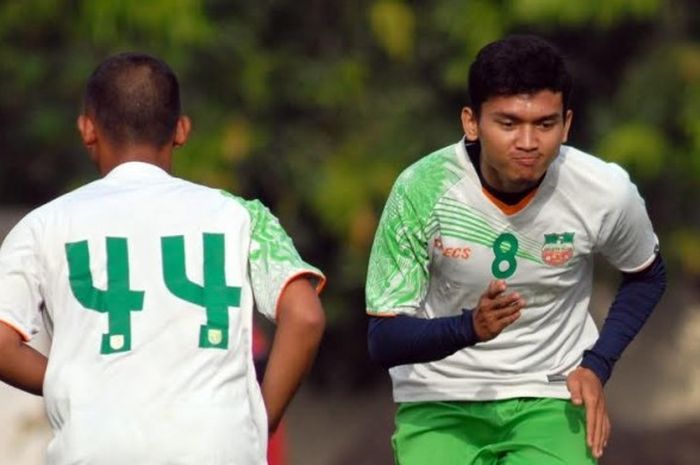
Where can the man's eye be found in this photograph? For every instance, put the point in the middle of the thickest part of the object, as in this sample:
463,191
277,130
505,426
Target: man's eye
547,124
507,124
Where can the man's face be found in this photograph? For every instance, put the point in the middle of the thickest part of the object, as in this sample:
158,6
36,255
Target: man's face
520,136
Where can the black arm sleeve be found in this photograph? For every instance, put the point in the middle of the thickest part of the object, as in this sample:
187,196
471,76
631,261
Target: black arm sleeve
403,339
636,297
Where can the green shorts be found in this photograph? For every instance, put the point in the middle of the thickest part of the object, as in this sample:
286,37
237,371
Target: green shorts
524,431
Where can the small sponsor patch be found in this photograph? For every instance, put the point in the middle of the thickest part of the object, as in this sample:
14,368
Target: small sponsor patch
556,378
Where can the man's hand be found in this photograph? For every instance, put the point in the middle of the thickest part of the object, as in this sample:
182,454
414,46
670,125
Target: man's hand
496,310
586,390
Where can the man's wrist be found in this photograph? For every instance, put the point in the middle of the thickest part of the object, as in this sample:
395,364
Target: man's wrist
468,331
597,364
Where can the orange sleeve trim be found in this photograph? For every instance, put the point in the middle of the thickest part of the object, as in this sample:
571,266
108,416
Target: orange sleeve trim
25,337
382,315
510,209
319,286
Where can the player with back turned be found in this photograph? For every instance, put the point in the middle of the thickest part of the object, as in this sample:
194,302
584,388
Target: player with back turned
481,273
147,284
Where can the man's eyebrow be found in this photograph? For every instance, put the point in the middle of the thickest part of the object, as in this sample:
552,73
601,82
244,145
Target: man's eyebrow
556,116
551,117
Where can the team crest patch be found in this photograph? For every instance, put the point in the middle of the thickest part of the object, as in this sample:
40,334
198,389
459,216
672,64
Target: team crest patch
215,336
558,248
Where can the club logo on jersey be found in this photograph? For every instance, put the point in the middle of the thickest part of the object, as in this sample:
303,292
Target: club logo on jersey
558,248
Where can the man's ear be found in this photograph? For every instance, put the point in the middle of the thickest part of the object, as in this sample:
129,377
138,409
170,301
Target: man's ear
86,128
567,125
182,131
470,124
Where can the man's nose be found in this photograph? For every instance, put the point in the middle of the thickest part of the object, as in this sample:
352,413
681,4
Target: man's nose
526,138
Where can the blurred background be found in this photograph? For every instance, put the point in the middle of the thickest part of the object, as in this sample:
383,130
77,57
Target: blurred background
315,106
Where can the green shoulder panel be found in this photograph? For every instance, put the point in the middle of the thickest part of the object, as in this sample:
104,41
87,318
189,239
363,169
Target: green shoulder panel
397,277
273,259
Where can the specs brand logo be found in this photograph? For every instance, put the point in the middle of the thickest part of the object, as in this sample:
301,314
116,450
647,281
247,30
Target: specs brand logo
452,252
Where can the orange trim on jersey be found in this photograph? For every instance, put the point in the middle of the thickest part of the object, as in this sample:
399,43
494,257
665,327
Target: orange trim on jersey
382,315
319,287
510,209
25,337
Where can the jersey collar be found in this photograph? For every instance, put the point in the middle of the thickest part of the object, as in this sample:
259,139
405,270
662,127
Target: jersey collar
545,189
136,169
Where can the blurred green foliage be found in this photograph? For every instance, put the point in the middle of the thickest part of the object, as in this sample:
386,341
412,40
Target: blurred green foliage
315,106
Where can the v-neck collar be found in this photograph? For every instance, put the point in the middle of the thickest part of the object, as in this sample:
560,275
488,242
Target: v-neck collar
508,210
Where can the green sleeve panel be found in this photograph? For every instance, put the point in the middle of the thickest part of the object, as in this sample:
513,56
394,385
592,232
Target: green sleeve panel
397,277
273,260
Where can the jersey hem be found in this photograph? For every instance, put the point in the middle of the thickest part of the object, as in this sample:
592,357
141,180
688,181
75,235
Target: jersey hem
482,393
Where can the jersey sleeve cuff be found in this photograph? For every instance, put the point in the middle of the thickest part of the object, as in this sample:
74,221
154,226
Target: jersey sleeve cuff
597,364
391,312
376,314
645,264
317,279
25,335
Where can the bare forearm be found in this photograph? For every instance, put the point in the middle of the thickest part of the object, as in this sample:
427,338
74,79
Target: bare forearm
299,329
20,365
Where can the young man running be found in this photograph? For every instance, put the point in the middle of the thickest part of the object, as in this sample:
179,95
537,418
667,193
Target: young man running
481,273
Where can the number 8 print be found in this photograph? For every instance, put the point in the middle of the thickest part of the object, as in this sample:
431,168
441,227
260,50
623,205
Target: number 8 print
505,248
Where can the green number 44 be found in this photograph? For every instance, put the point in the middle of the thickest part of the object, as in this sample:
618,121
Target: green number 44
118,300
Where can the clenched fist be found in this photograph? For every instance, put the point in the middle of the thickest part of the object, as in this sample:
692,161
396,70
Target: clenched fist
496,310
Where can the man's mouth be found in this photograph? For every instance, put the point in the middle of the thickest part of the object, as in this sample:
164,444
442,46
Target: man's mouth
526,161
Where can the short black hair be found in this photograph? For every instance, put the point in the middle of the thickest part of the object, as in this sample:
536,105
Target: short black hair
134,98
518,64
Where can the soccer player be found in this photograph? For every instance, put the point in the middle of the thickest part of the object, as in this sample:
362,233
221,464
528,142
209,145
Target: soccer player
148,283
481,271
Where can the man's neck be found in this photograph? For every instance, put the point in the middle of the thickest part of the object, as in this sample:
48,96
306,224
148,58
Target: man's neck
110,157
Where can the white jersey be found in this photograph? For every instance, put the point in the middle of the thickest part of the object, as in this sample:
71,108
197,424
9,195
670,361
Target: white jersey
148,283
442,239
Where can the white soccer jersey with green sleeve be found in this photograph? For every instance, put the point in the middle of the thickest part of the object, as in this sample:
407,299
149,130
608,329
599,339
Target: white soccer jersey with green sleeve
148,283
442,239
